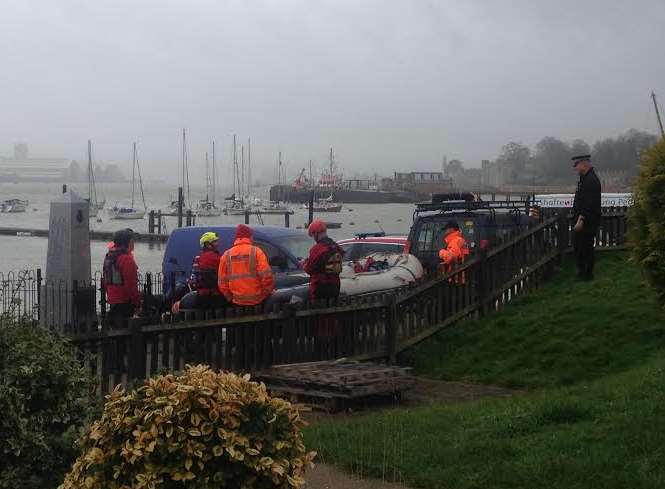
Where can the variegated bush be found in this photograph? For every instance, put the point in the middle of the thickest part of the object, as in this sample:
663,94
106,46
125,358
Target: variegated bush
201,429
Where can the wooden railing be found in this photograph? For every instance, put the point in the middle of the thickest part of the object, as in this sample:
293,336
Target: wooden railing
373,326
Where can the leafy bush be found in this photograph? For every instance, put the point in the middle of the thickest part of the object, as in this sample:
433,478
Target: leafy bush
201,430
44,398
647,217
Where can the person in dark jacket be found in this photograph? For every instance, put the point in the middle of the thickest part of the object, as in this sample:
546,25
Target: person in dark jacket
324,263
586,216
120,277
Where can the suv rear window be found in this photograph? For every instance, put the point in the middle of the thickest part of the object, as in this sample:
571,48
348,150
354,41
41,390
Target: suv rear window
426,237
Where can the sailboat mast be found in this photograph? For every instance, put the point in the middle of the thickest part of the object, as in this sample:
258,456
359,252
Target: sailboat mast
242,169
133,171
249,165
235,166
279,169
90,201
138,171
182,163
660,122
185,169
214,174
207,177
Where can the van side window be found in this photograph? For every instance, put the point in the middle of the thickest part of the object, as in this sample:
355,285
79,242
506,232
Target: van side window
272,251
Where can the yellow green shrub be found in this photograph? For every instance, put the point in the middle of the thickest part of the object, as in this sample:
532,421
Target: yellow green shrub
201,429
646,220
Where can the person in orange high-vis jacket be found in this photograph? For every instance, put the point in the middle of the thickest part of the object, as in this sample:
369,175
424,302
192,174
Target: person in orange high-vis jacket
456,248
245,277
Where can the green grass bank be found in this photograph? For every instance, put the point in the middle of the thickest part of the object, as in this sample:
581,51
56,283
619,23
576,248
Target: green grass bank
592,358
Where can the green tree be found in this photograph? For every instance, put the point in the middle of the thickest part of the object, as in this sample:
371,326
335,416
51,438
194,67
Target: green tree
647,217
44,401
518,157
552,160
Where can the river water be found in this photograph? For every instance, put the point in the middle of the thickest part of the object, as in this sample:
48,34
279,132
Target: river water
25,252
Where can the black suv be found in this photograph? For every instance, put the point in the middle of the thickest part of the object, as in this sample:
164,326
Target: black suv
483,223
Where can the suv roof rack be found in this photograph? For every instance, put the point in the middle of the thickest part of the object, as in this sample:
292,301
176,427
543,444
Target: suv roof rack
375,234
460,205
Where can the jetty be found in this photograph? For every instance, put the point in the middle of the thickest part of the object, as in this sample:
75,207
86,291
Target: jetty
94,235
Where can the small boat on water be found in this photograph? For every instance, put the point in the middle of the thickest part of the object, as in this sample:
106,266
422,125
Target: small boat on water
269,207
325,205
206,208
131,212
14,205
236,208
119,212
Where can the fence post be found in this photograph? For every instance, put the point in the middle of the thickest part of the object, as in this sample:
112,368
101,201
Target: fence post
135,351
483,283
159,221
151,222
246,217
310,215
286,219
562,235
39,295
102,302
180,205
391,329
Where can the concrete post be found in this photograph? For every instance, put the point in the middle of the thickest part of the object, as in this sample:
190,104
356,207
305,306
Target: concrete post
68,295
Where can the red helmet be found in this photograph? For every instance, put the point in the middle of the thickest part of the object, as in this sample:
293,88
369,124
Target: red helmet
316,227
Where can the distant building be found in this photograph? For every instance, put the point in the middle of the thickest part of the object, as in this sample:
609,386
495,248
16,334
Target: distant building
463,178
423,182
21,167
495,174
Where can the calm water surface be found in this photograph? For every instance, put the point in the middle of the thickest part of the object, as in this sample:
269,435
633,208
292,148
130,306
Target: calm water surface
20,252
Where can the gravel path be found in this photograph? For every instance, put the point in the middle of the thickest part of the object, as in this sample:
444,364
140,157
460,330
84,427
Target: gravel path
324,476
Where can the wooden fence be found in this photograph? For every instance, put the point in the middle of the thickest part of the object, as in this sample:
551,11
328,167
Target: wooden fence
373,326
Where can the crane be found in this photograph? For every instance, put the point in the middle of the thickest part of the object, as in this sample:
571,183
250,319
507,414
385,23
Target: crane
301,181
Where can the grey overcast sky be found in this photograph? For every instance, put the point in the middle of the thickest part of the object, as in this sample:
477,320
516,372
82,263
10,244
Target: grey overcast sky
391,84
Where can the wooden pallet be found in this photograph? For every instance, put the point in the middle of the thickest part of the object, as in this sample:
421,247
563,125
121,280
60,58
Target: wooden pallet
335,383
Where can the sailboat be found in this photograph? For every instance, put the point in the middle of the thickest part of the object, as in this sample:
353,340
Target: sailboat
131,212
330,179
234,206
93,206
206,207
14,205
172,209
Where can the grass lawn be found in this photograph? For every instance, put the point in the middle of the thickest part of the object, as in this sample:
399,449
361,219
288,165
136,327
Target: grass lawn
593,357
566,332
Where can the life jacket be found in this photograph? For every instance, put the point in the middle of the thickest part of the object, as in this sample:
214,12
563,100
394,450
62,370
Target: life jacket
204,272
111,273
324,266
245,277
455,252
333,265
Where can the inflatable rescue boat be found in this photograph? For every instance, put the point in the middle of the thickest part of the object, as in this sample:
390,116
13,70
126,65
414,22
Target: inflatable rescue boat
379,272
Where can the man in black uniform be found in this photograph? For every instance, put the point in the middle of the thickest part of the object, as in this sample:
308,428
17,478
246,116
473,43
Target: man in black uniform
586,214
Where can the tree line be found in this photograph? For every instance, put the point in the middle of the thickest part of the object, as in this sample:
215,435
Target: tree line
548,162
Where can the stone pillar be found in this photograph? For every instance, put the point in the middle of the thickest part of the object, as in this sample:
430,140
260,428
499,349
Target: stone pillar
68,295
